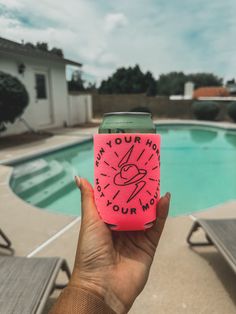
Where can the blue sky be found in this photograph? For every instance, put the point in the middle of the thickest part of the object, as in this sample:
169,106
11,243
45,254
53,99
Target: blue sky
161,36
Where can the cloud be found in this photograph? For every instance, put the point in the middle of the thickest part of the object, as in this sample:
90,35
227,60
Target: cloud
8,23
11,3
161,36
114,21
75,30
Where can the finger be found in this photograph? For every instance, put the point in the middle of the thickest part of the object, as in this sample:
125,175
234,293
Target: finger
163,206
162,213
88,207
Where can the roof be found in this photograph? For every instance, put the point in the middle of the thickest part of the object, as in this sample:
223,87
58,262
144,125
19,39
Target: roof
10,46
210,92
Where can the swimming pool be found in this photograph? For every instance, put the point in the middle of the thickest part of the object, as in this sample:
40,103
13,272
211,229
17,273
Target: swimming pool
198,167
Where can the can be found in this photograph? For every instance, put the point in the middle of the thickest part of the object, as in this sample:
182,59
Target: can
127,122
122,167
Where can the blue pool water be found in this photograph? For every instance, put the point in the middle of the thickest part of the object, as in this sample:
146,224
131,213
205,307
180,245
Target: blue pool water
198,167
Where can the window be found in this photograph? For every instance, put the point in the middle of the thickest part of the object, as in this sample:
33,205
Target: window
41,91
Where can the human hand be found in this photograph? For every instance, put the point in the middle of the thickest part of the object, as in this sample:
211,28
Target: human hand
114,265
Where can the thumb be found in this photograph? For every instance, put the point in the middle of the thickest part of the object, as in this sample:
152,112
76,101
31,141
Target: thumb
88,207
162,213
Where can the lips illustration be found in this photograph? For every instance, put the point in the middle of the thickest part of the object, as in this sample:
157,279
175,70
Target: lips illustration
129,174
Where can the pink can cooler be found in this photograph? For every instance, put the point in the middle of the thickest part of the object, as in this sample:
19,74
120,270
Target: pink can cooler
127,179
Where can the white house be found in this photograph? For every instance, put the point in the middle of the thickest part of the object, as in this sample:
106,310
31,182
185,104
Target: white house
43,74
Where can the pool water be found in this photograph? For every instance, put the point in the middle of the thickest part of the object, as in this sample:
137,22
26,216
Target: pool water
198,167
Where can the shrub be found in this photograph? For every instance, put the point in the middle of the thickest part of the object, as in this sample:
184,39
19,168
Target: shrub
232,111
13,99
205,110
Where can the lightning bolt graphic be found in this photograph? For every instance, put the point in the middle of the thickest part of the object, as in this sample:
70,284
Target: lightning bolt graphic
138,187
126,157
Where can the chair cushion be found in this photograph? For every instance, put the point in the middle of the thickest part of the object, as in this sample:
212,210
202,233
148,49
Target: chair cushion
23,283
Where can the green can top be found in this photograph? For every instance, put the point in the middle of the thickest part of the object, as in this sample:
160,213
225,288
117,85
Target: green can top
127,122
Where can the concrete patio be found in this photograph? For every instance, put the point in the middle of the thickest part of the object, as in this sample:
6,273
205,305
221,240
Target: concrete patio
182,280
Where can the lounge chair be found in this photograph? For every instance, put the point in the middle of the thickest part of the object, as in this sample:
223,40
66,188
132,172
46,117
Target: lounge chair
219,232
26,283
7,242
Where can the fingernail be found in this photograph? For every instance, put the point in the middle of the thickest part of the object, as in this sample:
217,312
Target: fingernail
168,195
77,181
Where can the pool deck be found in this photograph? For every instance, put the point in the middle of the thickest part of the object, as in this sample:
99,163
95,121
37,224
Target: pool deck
182,280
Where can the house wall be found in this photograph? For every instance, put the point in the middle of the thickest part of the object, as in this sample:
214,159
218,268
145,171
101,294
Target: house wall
80,108
57,87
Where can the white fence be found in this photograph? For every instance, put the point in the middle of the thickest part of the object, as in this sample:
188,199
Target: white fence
79,109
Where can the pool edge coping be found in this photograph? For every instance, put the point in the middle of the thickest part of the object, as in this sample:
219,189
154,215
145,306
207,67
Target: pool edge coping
12,161
214,124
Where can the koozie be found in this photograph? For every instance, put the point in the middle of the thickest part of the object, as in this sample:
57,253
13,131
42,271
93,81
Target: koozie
127,179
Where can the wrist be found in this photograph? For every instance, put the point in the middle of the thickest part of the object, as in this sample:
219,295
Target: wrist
99,288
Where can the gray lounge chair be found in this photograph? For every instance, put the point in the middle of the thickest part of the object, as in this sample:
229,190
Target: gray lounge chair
26,283
7,242
219,232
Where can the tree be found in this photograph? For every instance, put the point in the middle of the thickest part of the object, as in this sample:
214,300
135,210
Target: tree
230,82
30,45
129,80
173,83
76,83
91,87
57,51
13,99
42,46
205,79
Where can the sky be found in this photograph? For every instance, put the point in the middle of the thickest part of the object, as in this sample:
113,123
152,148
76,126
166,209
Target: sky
159,35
